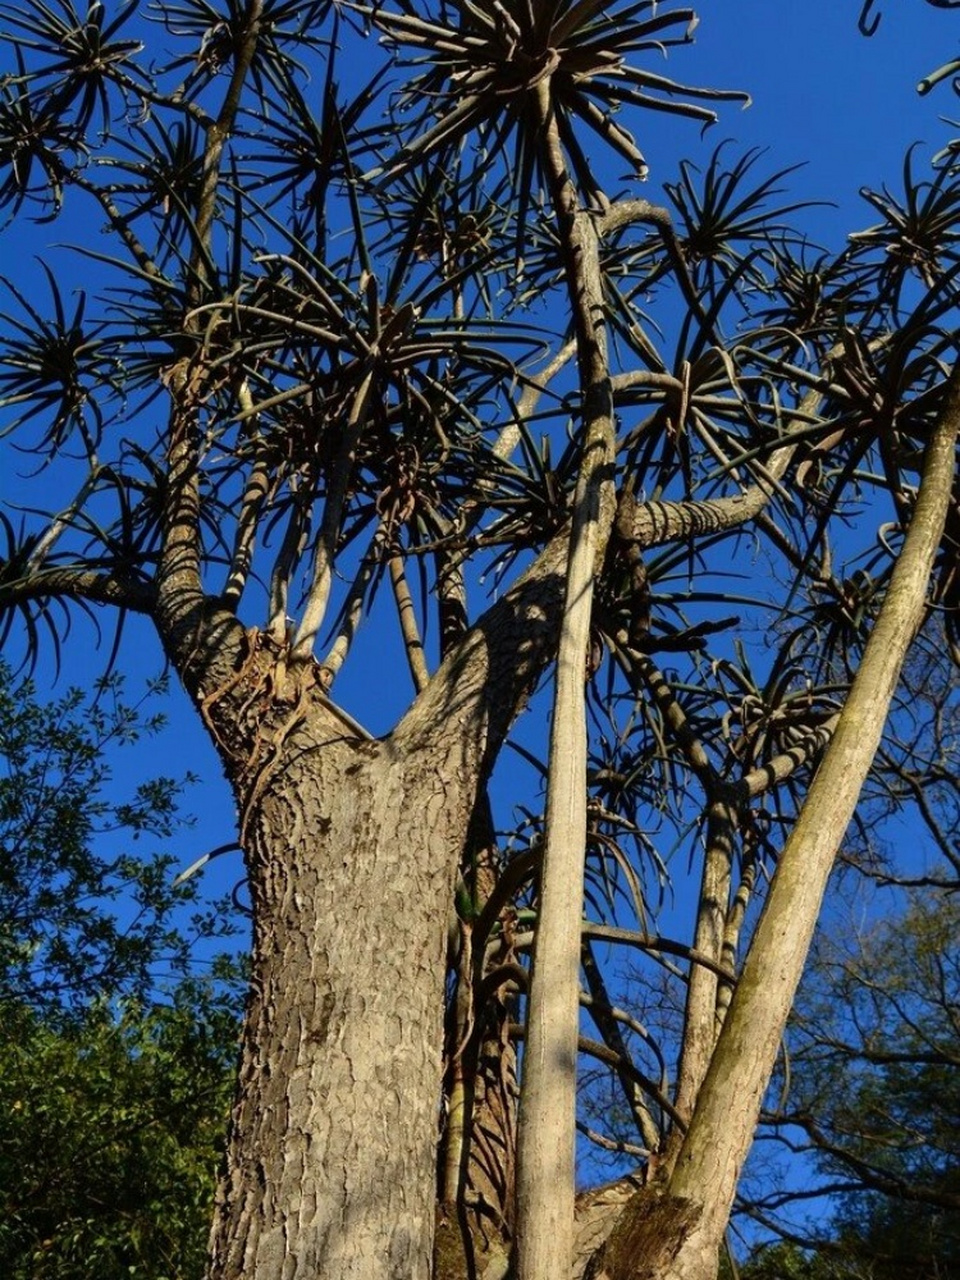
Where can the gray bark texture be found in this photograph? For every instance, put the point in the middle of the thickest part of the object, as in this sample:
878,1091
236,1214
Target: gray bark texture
352,847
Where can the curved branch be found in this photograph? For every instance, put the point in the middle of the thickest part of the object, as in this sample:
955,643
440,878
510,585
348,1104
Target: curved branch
729,1103
651,524
652,943
601,1010
872,1177
126,592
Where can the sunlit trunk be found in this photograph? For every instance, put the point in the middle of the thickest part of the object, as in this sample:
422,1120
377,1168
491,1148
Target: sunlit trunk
332,1159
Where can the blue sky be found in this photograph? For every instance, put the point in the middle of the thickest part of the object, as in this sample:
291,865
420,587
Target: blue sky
823,96
844,107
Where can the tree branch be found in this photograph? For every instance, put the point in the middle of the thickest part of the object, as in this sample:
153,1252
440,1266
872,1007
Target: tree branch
727,1109
62,581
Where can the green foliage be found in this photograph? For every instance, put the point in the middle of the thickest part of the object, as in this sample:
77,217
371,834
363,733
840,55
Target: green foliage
893,1110
116,1062
782,1262
79,924
875,1059
111,1131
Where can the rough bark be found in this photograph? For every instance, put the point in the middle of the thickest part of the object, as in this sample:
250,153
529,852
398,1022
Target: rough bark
351,846
352,850
650,1230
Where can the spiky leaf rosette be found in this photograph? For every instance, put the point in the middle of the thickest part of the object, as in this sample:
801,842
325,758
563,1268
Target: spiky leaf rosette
482,65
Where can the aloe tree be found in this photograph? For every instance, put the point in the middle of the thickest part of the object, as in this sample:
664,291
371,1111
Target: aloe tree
367,345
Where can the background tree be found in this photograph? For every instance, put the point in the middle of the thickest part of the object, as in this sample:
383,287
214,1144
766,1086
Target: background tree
343,359
85,916
117,1040
112,1133
875,1070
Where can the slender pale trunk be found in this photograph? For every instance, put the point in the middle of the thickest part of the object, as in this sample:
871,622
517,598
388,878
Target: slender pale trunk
701,1025
725,1117
547,1137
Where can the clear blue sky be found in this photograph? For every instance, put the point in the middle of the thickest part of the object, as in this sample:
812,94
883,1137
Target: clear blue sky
844,106
823,95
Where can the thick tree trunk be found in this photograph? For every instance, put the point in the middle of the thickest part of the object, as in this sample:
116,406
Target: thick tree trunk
351,851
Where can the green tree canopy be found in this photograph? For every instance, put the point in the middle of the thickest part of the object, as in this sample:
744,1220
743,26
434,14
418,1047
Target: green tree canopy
875,1088
119,1008
111,1132
87,914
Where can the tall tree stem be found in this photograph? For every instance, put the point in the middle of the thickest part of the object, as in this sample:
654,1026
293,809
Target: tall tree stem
728,1107
546,1146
